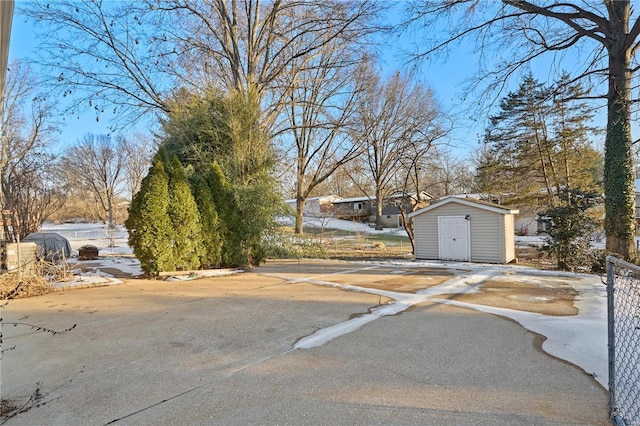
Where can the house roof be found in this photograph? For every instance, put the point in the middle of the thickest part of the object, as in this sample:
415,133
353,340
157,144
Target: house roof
354,199
484,205
389,197
477,196
329,198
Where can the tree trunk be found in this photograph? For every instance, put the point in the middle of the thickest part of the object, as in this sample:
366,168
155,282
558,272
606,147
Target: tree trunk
300,203
618,162
110,212
379,209
408,226
301,197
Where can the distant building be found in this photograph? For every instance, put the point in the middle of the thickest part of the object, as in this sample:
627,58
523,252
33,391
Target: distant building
363,209
315,206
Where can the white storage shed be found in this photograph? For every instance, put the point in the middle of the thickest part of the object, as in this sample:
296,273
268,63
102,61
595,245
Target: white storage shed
465,230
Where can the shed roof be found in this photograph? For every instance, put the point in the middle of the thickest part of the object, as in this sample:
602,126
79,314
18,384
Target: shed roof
496,208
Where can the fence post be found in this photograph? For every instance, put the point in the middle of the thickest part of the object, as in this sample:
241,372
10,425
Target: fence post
610,268
19,258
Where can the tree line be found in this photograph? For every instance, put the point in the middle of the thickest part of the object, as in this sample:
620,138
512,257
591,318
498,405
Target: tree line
324,113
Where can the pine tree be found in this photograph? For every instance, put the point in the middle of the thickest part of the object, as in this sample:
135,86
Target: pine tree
183,212
580,165
538,144
149,225
520,141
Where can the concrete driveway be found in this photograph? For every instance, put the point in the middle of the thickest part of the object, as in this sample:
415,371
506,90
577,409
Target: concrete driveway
221,351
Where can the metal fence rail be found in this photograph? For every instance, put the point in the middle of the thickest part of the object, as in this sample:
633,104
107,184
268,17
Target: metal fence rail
623,295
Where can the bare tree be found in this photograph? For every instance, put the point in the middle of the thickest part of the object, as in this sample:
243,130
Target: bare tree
27,129
515,32
129,56
250,44
138,150
394,117
447,174
104,56
409,192
98,163
321,99
30,193
347,181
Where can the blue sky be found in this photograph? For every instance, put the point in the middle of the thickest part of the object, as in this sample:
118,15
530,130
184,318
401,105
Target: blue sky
445,77
23,44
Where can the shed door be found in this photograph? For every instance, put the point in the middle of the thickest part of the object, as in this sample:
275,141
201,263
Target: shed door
454,241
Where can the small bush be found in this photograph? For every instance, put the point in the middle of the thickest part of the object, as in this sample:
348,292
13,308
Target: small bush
596,261
35,283
570,228
313,250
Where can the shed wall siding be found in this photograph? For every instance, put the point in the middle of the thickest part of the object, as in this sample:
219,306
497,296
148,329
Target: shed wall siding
425,228
489,235
487,230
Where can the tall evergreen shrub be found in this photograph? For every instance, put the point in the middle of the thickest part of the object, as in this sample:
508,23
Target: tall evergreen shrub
185,219
231,218
211,228
149,225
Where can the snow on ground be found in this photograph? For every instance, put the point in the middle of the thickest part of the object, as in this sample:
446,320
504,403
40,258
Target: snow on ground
343,225
109,242
113,249
579,339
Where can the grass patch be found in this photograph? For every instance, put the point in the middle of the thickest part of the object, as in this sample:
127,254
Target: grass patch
343,245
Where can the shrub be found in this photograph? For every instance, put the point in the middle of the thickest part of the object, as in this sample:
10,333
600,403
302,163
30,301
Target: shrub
185,219
570,228
211,255
149,225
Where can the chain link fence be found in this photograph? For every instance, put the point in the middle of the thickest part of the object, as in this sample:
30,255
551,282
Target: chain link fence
623,294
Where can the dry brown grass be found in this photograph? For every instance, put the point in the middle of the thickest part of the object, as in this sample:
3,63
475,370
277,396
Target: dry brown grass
15,286
531,256
368,252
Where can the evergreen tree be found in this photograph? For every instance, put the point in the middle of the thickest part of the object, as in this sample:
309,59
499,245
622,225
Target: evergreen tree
150,229
580,165
183,212
227,132
231,219
194,129
210,221
248,166
538,144
518,138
